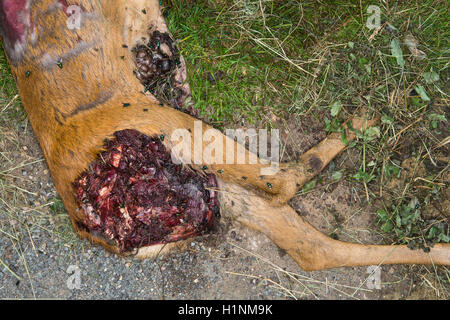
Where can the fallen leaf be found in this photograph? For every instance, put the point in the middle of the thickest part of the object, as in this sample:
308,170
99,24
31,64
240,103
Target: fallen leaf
335,108
397,52
431,76
422,93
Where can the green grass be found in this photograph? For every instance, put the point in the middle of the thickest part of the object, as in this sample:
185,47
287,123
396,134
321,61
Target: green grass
260,54
8,92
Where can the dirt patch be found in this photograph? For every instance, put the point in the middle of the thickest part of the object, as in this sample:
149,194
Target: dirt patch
299,134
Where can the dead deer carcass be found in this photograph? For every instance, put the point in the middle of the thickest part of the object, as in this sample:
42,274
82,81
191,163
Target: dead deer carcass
88,71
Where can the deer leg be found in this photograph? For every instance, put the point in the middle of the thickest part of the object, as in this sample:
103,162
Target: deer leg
312,162
311,249
283,185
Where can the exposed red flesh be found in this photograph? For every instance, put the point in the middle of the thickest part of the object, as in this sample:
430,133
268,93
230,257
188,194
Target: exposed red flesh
14,19
136,196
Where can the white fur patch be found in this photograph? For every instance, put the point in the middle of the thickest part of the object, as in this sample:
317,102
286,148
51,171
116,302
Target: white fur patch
75,17
50,62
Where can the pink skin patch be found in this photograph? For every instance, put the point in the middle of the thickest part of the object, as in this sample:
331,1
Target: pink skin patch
63,4
14,20
66,7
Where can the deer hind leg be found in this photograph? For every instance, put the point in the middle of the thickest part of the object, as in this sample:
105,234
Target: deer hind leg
311,249
236,164
317,158
281,184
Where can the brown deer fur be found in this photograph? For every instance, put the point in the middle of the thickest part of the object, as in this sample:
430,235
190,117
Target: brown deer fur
75,106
